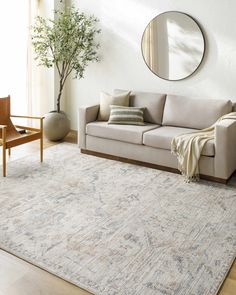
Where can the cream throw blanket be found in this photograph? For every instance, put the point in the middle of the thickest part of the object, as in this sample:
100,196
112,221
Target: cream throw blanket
188,148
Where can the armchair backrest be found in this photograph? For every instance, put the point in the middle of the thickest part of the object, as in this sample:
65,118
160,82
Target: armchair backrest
5,113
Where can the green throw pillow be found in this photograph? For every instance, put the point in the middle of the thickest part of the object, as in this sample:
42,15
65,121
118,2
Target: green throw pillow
126,115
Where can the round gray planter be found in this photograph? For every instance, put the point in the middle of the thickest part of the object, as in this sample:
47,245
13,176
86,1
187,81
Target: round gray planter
56,125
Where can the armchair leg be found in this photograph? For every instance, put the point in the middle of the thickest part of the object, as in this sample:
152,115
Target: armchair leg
9,152
4,152
41,149
4,161
41,140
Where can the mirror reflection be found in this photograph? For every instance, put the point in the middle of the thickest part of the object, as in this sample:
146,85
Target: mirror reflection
173,45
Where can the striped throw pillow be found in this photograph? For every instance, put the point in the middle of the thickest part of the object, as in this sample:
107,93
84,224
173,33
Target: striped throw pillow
126,115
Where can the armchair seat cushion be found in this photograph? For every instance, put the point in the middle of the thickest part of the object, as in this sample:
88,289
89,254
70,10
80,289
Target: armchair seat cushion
126,133
162,137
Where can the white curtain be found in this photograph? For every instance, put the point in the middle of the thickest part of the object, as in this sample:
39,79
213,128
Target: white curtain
31,87
13,32
40,80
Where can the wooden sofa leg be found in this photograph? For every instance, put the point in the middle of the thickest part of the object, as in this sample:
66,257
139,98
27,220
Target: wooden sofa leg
9,152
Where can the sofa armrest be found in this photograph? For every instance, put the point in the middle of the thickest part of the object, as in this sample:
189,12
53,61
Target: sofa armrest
225,148
86,114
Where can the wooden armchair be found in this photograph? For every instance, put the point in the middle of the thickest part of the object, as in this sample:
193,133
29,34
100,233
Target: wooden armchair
10,137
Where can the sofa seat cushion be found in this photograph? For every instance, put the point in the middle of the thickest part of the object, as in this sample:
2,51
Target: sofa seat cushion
162,137
126,133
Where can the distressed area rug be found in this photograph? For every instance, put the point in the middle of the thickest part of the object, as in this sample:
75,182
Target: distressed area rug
116,228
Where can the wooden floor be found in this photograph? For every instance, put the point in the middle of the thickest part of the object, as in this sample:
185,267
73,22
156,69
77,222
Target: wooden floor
17,277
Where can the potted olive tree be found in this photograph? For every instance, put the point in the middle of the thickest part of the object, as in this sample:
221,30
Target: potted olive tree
68,43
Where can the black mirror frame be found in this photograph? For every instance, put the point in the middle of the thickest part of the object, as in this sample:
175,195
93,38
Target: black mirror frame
204,49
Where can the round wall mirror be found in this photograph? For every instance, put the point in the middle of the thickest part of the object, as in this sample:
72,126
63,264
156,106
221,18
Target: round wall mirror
173,45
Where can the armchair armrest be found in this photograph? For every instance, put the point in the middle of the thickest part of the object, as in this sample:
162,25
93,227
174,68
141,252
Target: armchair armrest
27,117
4,134
86,115
27,127
225,148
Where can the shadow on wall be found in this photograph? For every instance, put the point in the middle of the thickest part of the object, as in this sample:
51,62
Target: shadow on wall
210,55
219,58
127,19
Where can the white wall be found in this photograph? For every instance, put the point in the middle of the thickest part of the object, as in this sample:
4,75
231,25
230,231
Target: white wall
122,66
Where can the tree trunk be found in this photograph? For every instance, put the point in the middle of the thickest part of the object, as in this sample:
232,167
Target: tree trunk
59,96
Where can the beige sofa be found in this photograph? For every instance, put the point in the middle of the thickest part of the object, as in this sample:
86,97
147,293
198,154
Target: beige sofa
166,116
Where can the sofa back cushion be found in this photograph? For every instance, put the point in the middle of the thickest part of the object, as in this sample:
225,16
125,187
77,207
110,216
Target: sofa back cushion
153,103
196,113
234,107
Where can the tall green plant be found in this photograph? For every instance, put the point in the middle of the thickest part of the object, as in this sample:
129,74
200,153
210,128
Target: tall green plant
68,42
